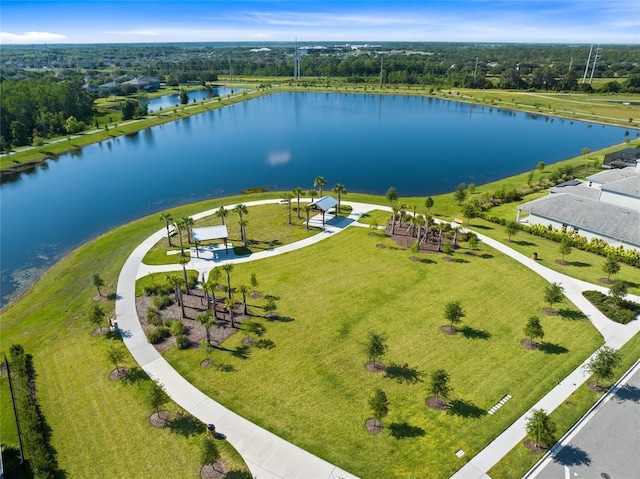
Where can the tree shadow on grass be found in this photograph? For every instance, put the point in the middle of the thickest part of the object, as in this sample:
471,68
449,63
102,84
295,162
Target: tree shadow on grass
225,368
403,373
571,315
241,352
427,261
459,260
403,430
464,408
572,456
280,319
524,243
482,227
579,264
486,256
472,333
185,425
550,348
628,393
136,375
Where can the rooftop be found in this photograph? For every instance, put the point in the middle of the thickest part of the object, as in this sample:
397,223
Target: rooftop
613,175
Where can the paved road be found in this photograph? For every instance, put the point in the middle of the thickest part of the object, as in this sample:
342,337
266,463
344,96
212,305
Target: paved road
605,441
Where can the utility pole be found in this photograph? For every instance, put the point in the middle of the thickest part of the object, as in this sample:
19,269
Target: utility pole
586,69
595,62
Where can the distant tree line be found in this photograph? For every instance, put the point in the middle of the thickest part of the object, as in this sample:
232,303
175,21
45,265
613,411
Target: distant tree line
42,107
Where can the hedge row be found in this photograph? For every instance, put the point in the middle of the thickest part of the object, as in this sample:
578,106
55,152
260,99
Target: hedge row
594,245
38,451
620,311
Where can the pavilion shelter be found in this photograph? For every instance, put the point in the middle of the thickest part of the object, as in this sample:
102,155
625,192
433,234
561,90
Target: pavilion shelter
210,233
323,205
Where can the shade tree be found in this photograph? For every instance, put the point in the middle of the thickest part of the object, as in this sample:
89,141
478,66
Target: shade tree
611,266
376,347
565,247
439,385
96,315
512,228
379,406
541,428
603,363
98,282
533,329
453,313
155,396
209,453
553,293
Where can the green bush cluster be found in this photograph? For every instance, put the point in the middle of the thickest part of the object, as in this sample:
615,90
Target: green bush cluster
39,454
621,311
157,289
162,301
182,341
156,335
594,245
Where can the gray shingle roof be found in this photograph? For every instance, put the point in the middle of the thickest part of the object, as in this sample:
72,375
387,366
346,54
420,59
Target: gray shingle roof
578,190
604,219
627,187
613,175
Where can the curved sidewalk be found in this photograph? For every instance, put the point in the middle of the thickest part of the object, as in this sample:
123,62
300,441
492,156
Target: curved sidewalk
266,455
615,335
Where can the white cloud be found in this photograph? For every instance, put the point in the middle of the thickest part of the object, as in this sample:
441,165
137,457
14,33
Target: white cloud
278,158
30,37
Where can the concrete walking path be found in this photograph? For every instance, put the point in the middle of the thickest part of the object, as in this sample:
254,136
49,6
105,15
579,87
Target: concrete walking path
266,455
614,334
270,456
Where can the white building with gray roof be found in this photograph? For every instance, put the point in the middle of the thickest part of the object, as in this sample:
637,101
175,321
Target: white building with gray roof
607,207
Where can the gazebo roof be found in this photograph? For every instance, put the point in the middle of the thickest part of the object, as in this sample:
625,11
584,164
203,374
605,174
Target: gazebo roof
210,233
325,203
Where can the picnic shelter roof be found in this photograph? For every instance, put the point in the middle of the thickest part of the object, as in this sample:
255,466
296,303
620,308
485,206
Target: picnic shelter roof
210,233
325,203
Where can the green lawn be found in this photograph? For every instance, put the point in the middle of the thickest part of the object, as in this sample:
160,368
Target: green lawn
312,388
8,430
268,227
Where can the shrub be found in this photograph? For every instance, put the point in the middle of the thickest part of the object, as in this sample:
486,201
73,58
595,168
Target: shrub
620,311
182,341
176,328
161,302
153,316
156,335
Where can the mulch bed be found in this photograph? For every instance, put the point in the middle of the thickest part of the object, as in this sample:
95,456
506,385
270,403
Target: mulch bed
99,297
436,403
533,447
248,341
160,418
596,388
569,404
375,366
414,258
563,262
374,426
206,363
403,239
118,374
194,305
606,280
99,331
448,259
218,470
528,344
549,311
448,329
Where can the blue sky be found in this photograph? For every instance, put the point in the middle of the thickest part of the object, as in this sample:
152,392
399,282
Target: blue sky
134,21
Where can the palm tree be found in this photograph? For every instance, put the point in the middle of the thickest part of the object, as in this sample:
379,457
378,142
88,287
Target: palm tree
243,231
307,210
243,289
188,223
288,196
298,191
207,320
175,283
183,261
396,210
168,219
179,224
222,213
242,210
230,303
228,268
319,182
214,281
339,190
312,194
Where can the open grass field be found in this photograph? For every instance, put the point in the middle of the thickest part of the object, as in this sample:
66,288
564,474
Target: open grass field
313,387
267,228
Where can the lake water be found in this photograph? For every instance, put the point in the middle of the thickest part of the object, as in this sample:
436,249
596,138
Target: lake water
170,101
422,146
